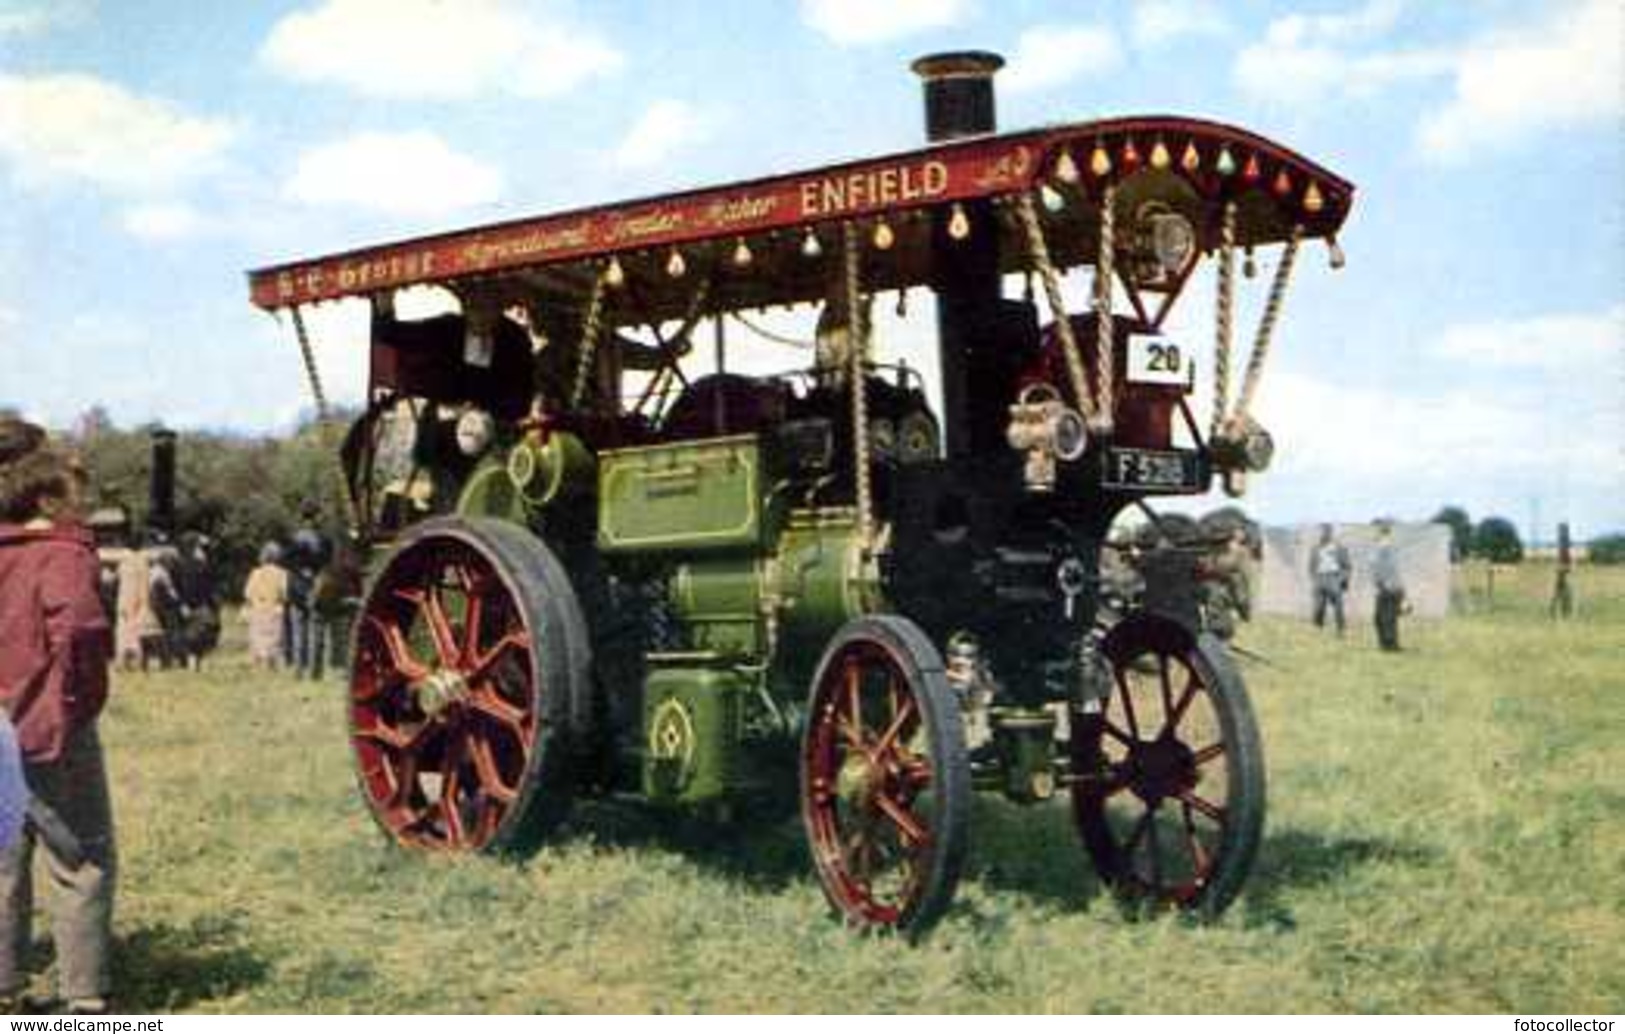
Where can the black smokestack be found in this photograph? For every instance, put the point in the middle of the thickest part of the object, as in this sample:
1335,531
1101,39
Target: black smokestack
965,276
161,496
958,93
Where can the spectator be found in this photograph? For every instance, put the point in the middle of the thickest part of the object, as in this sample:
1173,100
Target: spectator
200,604
138,626
53,684
1329,571
265,600
164,599
1390,588
1562,604
309,553
335,600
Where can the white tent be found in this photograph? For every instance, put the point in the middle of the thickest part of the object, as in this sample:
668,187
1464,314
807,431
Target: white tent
1284,586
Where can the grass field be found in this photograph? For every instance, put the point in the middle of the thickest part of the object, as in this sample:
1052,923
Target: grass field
1446,832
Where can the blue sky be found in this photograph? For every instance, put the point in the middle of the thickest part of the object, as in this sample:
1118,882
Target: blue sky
1473,351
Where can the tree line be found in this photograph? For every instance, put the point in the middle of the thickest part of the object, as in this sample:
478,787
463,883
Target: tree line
240,490
1496,539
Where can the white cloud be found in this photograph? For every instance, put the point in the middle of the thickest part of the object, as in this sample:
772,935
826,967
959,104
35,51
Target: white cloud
1158,21
1575,344
1354,26
1047,56
82,127
1565,71
1485,438
163,221
412,173
1304,60
436,49
1433,446
663,128
30,19
850,22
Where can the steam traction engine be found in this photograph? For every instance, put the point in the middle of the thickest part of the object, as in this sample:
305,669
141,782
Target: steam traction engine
605,565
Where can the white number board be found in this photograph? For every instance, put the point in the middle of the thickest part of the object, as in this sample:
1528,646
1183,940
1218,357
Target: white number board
1159,360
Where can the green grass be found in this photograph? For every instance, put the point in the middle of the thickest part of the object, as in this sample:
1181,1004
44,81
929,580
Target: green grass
1446,832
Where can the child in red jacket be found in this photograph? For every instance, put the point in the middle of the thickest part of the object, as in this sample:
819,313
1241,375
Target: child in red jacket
54,650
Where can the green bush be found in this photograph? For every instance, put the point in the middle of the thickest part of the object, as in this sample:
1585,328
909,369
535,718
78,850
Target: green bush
1461,531
1496,540
1608,549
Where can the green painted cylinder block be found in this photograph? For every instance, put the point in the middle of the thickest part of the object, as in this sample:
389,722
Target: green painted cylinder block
820,578
720,600
815,580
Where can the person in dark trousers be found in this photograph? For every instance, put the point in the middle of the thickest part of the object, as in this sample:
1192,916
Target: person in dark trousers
199,601
55,645
1390,586
1562,604
1329,571
166,603
338,588
309,552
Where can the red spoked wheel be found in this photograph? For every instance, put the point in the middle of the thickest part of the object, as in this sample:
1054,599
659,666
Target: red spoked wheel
885,786
1169,795
468,648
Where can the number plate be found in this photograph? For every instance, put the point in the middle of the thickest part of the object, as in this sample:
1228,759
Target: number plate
1151,470
1158,360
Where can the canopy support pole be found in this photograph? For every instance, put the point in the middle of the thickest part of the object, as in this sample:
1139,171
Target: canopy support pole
313,377
1039,249
1224,303
589,337
857,367
1266,326
1105,339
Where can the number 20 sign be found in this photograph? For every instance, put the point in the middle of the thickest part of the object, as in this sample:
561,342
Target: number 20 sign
1158,360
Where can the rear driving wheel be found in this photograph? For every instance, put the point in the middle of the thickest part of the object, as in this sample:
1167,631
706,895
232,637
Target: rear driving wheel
466,658
884,781
1170,795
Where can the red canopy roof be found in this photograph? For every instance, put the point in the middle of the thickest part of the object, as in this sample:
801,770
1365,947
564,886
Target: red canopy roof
1274,187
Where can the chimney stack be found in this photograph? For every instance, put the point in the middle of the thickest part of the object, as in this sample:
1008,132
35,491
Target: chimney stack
971,340
161,487
958,93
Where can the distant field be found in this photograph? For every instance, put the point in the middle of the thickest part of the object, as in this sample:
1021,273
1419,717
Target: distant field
1446,832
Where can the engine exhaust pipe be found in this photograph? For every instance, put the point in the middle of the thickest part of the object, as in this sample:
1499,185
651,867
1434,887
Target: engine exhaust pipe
958,90
161,483
958,93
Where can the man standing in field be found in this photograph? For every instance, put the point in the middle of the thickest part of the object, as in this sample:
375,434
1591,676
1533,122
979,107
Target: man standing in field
1329,571
1390,588
309,552
54,651
1562,605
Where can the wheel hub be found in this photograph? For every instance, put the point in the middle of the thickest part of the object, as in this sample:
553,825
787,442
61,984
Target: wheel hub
859,782
439,691
1160,768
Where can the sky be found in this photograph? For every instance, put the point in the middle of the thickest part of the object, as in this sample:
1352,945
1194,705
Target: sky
1472,352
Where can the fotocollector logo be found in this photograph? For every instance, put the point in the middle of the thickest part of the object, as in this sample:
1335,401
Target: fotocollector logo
1562,1025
